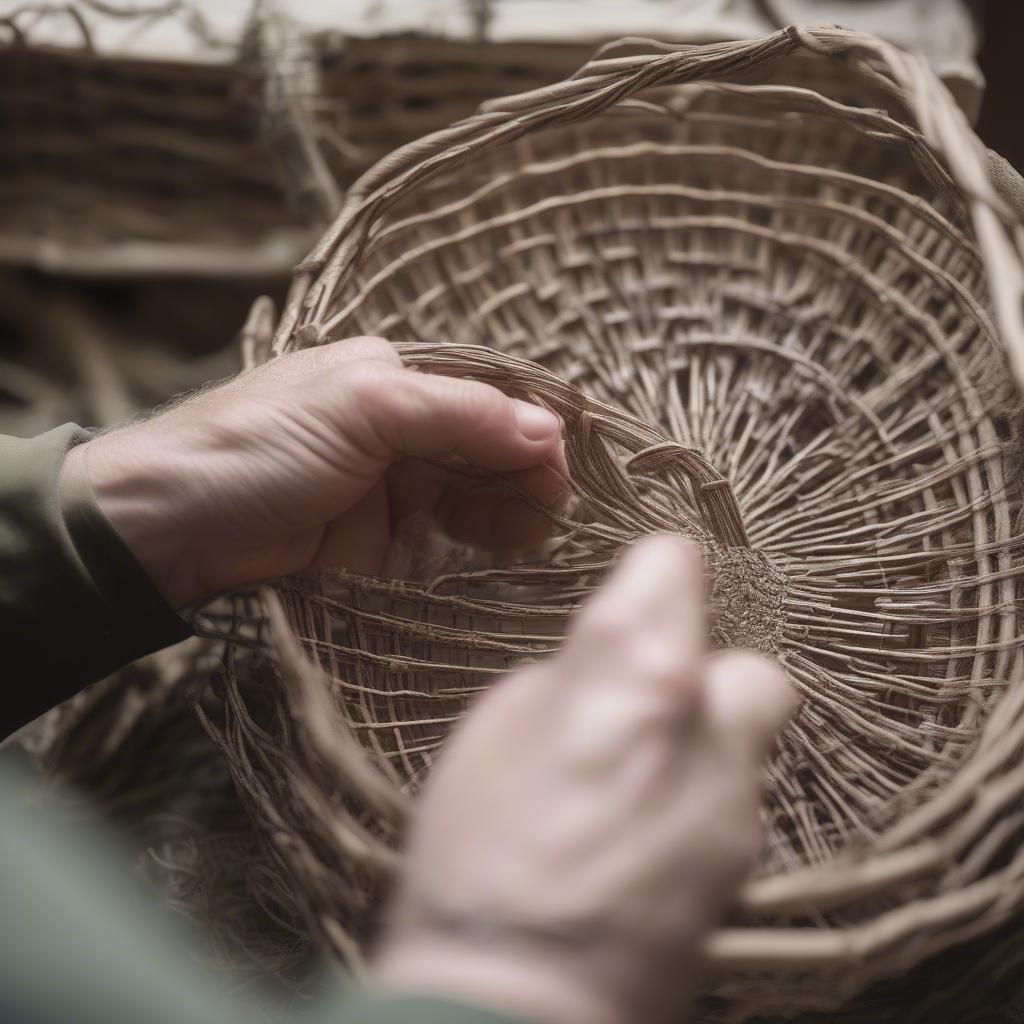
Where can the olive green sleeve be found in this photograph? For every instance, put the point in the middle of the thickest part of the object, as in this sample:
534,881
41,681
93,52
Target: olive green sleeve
412,1011
79,944
74,603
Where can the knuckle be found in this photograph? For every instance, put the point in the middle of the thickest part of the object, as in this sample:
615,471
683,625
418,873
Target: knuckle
319,357
370,382
349,351
477,401
603,624
656,661
372,347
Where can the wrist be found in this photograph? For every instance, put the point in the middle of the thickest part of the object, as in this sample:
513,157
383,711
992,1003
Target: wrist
144,498
534,985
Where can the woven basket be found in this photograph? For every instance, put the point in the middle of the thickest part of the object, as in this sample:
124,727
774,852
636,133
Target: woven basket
389,90
125,165
754,279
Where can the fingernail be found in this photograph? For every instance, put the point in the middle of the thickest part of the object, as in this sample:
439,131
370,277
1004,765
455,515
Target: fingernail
534,422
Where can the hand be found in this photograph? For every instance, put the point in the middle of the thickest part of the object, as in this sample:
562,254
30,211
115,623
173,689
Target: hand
595,814
308,462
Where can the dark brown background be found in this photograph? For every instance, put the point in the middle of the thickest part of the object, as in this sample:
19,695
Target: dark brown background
1002,61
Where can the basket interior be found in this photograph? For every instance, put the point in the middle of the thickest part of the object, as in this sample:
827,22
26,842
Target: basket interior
786,291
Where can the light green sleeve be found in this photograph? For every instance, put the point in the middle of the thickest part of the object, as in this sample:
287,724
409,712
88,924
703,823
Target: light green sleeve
79,943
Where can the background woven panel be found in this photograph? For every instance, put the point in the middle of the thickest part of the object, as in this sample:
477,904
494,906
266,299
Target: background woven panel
128,165
392,89
222,160
123,161
177,136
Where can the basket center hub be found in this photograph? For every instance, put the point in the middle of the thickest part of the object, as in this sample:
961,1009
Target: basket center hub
748,594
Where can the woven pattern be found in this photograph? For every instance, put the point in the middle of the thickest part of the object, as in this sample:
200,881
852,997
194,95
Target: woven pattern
388,90
128,165
753,279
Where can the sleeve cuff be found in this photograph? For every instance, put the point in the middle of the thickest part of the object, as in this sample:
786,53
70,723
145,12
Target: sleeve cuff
77,603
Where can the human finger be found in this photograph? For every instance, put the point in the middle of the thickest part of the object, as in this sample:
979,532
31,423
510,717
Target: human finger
635,656
648,621
391,413
748,699
480,511
311,363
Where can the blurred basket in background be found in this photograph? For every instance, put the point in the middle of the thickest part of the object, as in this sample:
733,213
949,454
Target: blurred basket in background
762,311
212,139
392,89
124,164
396,70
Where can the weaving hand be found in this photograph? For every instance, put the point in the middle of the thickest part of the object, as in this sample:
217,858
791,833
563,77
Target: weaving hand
310,461
595,814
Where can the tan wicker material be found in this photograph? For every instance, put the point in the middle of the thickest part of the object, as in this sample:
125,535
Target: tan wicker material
763,313
398,69
392,89
213,139
121,165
